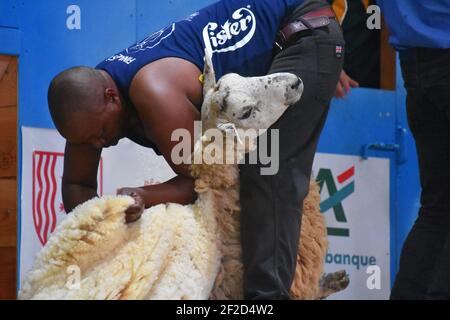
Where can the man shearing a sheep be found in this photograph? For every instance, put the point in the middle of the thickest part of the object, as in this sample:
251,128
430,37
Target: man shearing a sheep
152,88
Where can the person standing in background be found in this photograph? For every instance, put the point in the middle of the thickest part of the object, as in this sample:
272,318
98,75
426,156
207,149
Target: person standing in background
420,31
362,46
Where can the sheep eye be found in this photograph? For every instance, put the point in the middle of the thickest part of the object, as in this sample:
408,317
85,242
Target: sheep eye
246,114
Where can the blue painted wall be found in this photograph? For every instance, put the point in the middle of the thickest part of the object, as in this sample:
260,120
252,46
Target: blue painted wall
36,31
9,28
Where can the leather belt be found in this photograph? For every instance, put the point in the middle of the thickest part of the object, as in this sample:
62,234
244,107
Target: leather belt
312,20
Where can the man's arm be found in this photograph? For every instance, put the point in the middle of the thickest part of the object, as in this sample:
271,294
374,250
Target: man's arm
179,189
79,182
164,94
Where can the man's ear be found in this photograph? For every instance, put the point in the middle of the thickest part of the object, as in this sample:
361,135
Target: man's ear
110,95
208,73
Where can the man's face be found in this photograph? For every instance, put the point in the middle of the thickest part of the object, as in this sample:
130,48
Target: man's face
101,129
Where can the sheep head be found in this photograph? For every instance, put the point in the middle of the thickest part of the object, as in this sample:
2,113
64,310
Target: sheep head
246,103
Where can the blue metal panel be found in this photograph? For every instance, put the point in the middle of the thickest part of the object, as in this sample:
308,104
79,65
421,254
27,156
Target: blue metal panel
9,41
153,16
8,14
363,117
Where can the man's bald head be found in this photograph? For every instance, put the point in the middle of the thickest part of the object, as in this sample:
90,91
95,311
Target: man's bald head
76,92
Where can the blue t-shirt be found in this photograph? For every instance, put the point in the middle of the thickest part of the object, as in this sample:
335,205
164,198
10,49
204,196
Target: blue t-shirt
418,23
239,33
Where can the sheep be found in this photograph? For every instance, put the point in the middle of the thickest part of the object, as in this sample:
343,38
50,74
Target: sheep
175,251
221,183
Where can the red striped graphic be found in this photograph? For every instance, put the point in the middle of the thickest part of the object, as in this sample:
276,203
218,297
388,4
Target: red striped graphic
53,196
37,209
44,196
346,175
46,187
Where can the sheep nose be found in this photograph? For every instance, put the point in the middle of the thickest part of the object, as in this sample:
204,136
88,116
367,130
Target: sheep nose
297,84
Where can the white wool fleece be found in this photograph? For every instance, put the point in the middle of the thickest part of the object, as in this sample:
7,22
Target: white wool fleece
170,253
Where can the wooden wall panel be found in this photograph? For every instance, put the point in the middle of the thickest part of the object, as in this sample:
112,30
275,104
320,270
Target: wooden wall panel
8,81
8,212
8,273
8,176
8,142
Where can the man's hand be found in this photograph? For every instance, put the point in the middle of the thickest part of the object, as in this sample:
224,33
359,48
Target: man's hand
344,85
134,211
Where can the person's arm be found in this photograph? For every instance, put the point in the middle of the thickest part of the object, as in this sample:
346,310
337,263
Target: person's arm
179,189
79,182
164,95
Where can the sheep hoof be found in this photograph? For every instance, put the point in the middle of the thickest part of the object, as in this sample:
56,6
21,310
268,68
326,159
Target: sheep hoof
333,282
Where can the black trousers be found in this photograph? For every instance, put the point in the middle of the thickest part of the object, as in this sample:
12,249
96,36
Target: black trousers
272,204
425,259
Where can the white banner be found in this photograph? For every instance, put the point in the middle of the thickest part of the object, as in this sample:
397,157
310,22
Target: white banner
355,202
126,165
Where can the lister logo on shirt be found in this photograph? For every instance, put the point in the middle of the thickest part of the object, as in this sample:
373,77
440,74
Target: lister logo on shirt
233,34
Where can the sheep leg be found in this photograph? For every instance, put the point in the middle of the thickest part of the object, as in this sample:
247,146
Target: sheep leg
312,248
332,282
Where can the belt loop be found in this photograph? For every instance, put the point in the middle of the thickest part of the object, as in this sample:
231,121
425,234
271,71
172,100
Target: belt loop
282,36
306,23
280,40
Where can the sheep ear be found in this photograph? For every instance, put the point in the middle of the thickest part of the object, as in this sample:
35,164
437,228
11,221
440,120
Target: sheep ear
209,76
